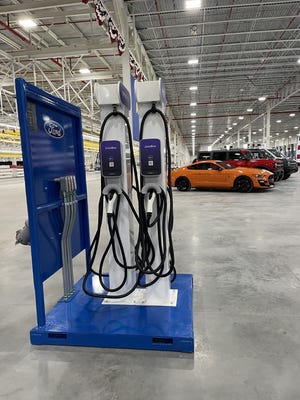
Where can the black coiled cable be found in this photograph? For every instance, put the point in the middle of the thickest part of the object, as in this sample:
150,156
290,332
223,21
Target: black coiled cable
160,211
112,221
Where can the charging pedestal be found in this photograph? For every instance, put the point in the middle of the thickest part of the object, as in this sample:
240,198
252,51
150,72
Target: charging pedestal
116,171
52,149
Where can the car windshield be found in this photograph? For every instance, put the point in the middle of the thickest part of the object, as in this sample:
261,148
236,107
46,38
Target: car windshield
277,153
224,165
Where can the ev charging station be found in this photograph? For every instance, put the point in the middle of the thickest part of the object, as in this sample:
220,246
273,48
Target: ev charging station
140,302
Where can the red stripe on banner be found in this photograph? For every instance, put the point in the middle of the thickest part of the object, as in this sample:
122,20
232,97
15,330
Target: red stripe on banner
298,146
298,156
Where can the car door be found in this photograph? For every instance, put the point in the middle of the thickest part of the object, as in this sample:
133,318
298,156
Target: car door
217,176
197,174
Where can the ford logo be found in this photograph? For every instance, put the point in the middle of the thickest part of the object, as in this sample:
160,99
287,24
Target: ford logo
54,129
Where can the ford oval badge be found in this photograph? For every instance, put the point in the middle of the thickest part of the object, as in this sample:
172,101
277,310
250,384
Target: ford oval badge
54,129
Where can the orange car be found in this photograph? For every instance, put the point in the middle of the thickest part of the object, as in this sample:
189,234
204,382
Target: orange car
217,174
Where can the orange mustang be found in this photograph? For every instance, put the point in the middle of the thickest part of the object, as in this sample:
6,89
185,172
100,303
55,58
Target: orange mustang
217,174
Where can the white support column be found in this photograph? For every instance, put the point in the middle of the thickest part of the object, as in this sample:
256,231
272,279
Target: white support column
238,139
268,126
249,135
264,129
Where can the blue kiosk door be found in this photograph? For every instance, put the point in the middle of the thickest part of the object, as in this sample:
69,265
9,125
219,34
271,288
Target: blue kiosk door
52,147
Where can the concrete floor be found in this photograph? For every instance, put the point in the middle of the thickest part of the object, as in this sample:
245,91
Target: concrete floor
243,250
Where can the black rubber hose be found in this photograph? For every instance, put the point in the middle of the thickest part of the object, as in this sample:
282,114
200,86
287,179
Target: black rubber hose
113,228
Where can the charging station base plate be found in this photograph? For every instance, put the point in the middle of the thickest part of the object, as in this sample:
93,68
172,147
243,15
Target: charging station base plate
85,321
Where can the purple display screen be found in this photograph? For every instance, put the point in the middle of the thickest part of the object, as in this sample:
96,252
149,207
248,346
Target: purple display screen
111,158
150,157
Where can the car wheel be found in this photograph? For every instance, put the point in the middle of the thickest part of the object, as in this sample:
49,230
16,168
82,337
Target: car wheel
243,184
286,176
183,184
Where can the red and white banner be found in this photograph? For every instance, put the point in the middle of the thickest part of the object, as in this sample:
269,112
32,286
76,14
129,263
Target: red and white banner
101,11
103,17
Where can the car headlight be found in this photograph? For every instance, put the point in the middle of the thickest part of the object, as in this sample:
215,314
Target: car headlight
259,175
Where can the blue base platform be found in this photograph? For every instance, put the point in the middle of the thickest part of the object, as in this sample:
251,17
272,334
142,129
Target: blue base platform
85,321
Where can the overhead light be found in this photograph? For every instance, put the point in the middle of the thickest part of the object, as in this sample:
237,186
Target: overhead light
277,134
193,104
253,133
193,61
27,23
193,114
249,109
230,129
193,126
292,114
278,121
194,88
262,98
241,117
84,71
193,121
226,131
285,131
190,4
234,123
290,137
271,136
298,61
296,127
260,129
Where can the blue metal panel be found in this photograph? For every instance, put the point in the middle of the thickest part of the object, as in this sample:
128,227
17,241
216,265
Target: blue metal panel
52,147
135,116
85,321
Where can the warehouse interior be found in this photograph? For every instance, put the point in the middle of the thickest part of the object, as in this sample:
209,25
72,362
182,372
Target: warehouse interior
231,74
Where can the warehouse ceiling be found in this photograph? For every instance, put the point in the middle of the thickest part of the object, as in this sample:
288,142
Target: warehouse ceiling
242,50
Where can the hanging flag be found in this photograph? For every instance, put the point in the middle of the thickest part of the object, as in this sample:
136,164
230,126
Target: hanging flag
121,45
112,30
131,62
85,1
101,12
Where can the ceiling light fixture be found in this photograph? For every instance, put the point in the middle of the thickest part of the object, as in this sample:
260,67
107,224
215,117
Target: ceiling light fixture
234,123
193,61
193,114
290,137
278,121
191,4
262,98
260,130
253,133
285,131
194,88
296,127
27,23
193,121
249,109
193,104
298,61
277,134
241,117
84,70
292,114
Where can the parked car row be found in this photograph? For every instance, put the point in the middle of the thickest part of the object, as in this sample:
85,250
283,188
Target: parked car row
240,169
